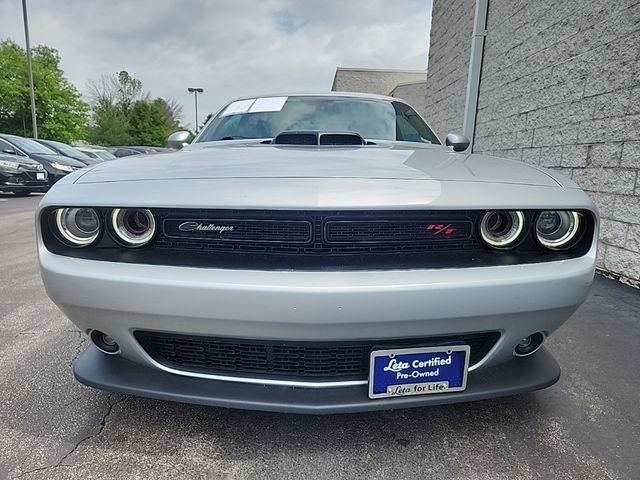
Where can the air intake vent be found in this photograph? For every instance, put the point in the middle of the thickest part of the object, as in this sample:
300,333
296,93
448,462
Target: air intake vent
319,139
341,139
311,361
296,138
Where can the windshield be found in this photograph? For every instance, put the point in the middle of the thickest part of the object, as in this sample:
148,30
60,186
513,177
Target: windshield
92,155
104,155
30,146
267,117
69,151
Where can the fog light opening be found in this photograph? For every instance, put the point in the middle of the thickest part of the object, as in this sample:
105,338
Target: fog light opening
529,345
104,343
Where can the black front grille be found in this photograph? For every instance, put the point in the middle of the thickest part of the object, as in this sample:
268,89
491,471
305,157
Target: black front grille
314,361
27,179
226,230
419,230
333,236
332,240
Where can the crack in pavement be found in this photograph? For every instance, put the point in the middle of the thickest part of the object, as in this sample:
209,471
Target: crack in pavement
103,423
40,332
78,348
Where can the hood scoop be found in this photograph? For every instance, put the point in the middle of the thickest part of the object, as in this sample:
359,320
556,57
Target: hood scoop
319,139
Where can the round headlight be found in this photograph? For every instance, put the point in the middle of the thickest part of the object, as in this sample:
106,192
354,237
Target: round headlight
556,229
77,227
502,228
133,227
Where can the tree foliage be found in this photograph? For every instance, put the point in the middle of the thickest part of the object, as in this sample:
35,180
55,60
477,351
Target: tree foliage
148,126
111,126
60,110
124,114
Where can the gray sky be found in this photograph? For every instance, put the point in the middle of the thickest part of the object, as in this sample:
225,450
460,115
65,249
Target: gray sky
228,48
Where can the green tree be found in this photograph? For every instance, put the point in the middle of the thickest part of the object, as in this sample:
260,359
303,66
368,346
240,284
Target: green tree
110,126
61,112
123,113
128,90
171,111
148,124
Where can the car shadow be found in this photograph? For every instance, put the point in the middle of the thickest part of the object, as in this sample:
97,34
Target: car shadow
415,427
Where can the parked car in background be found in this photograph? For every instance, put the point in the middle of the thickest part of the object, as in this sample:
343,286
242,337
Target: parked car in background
127,151
21,175
318,253
56,165
97,153
69,151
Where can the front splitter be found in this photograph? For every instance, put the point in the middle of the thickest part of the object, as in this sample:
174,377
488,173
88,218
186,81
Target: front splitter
114,373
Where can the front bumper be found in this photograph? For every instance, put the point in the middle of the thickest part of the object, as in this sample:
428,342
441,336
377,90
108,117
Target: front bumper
113,373
22,182
119,298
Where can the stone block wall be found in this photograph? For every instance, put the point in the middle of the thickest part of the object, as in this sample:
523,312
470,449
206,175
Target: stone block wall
414,93
451,29
368,80
560,88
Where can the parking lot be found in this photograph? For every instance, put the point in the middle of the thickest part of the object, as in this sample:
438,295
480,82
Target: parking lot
585,427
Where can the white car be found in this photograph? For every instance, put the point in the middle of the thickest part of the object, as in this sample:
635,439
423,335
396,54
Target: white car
317,253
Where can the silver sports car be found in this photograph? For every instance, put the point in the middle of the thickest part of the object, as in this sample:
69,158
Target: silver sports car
317,253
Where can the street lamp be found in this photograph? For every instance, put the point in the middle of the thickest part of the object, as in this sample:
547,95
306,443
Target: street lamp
195,92
30,70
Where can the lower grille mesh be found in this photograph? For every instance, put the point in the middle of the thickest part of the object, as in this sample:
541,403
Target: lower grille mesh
314,361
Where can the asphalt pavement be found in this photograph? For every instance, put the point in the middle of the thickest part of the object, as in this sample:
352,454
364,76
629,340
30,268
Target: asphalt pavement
585,427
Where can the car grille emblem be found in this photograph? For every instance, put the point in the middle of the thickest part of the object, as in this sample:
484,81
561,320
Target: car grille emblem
201,227
438,228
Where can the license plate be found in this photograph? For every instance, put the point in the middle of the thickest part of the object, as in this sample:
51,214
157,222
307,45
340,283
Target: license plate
418,371
39,176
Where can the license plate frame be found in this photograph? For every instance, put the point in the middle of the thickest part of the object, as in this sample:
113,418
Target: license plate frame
40,176
424,383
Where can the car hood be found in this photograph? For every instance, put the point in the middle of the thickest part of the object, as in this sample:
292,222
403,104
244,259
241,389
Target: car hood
394,161
57,158
27,162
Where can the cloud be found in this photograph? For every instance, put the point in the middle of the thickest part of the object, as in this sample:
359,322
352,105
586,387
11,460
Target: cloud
230,48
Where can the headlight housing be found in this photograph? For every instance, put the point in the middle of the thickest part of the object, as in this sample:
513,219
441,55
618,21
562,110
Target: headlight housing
9,165
557,229
502,229
77,226
133,227
60,166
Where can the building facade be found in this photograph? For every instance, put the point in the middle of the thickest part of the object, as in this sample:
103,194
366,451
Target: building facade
371,80
414,93
559,88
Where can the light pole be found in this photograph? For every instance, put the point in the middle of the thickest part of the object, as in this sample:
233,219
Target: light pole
30,70
195,92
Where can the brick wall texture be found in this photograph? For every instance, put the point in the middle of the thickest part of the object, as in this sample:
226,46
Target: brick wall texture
380,82
451,29
560,88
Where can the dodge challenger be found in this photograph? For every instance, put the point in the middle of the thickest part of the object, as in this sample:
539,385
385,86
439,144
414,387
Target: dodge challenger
317,253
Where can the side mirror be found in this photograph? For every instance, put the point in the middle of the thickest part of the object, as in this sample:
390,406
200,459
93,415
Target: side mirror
179,139
459,142
10,151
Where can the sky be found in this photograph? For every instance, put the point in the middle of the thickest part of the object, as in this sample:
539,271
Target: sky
229,48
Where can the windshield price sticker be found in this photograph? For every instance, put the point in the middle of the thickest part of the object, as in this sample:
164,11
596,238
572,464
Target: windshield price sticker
241,106
269,104
255,105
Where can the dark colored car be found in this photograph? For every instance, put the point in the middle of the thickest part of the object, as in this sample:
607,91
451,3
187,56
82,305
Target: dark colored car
22,176
97,153
69,151
56,165
139,150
